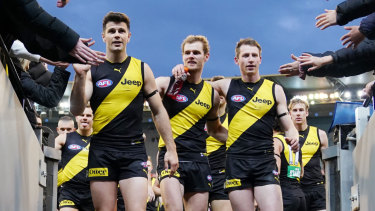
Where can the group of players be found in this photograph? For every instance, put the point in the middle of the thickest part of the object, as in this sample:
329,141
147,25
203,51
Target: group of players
242,162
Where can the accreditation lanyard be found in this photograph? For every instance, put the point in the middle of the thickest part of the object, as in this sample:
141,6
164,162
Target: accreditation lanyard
294,171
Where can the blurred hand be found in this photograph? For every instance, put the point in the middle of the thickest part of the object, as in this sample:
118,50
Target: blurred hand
86,55
178,71
290,69
58,63
367,91
353,37
150,194
62,3
171,159
326,19
315,62
293,142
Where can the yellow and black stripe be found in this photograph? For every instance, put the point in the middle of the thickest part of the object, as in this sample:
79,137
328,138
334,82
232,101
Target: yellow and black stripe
117,101
74,159
309,141
251,111
188,114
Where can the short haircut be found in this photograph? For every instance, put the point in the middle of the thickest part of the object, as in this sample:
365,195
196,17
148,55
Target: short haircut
297,100
247,41
116,17
66,118
197,38
216,78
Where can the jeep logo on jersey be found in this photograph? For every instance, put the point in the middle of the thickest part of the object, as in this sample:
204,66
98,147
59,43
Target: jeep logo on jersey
181,98
258,100
202,104
74,147
131,82
238,98
104,83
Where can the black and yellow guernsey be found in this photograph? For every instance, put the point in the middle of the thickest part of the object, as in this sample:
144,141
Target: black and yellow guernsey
309,142
73,172
188,114
251,114
117,103
290,168
216,149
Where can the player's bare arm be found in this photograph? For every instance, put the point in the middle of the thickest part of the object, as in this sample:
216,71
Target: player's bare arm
214,127
82,89
291,133
161,120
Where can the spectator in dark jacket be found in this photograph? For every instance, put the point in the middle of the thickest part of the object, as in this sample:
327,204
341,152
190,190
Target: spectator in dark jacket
43,34
344,62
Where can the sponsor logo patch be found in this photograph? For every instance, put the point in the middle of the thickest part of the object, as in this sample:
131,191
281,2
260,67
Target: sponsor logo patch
131,82
104,83
311,143
98,172
167,172
238,98
181,98
66,202
259,100
202,104
74,147
232,183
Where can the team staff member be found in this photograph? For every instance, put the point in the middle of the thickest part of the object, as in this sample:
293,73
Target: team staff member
253,103
218,198
74,186
195,105
116,90
312,140
290,169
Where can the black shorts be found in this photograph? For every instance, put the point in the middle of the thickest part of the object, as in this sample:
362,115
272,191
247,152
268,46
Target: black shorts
315,197
76,198
108,165
250,172
194,176
217,192
293,198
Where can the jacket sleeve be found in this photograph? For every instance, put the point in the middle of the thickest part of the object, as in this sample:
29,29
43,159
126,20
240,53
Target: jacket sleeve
352,9
46,25
367,26
346,61
48,96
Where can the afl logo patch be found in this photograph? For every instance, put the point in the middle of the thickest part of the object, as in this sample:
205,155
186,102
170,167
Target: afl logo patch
209,178
74,147
238,98
104,83
181,98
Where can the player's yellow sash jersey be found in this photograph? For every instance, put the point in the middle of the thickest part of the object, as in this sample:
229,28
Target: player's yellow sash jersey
251,113
309,142
216,149
117,103
74,160
188,114
288,158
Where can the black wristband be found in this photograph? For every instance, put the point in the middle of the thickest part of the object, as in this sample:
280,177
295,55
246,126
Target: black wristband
281,115
151,94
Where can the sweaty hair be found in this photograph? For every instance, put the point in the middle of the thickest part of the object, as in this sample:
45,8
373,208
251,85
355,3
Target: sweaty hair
116,17
247,41
196,38
297,100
